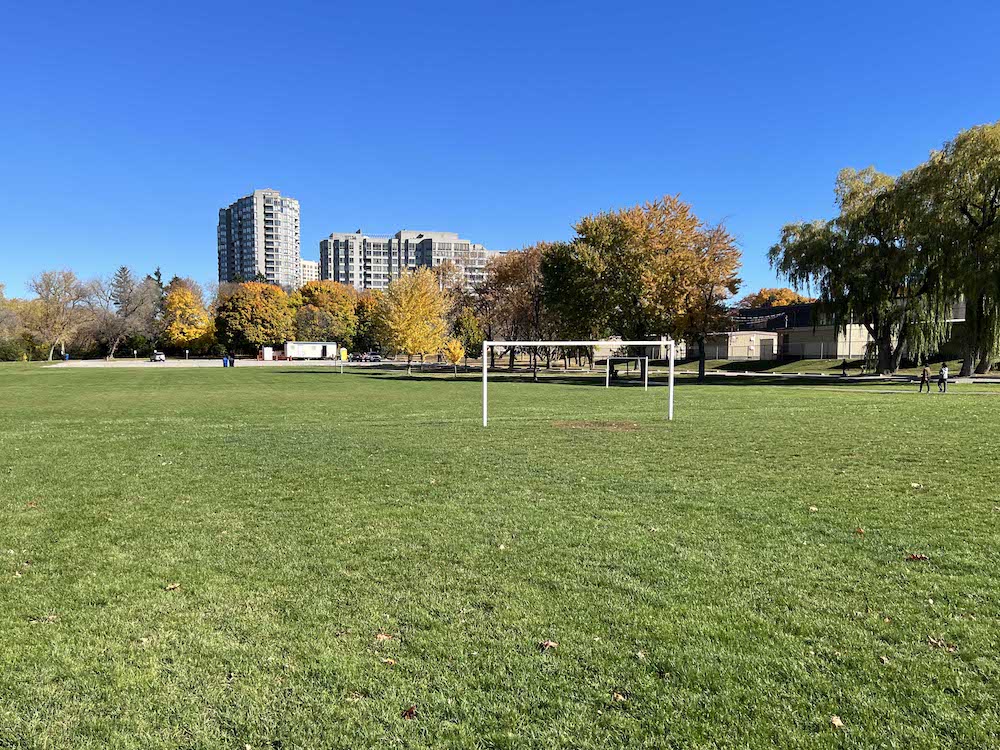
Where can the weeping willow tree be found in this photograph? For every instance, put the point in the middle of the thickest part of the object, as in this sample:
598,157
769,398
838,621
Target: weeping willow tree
866,268
954,204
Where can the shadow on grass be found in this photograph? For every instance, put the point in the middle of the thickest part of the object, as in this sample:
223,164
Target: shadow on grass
595,379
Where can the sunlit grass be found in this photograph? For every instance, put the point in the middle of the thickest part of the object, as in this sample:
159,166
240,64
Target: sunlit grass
734,578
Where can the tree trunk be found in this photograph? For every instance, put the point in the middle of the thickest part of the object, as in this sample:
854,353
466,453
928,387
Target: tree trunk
409,364
52,350
534,366
968,362
885,353
456,369
984,365
701,359
511,365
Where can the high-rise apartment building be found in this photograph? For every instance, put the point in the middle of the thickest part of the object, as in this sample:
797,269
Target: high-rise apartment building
310,271
371,262
259,234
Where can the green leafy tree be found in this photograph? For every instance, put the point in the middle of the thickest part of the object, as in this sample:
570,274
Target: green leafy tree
953,202
369,335
468,330
865,264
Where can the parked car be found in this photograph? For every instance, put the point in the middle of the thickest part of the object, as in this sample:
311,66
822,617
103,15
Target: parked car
158,357
373,357
356,357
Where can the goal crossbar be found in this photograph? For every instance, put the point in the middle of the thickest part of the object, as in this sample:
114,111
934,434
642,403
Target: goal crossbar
663,343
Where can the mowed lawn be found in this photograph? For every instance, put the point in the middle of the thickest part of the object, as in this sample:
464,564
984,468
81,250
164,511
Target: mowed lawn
361,564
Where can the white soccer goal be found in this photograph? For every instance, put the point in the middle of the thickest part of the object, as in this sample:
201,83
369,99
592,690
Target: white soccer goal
662,343
643,363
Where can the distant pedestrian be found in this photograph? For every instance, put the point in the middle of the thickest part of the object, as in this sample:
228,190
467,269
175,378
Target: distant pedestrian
943,378
925,379
225,360
232,360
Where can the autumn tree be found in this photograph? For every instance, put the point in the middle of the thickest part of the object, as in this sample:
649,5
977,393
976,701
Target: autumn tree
187,323
707,274
412,311
253,315
639,254
453,352
511,296
121,308
778,297
326,311
58,308
14,341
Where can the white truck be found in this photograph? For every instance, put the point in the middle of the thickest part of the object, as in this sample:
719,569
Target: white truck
311,350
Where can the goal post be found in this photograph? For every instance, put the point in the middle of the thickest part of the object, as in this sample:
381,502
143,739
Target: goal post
643,363
663,344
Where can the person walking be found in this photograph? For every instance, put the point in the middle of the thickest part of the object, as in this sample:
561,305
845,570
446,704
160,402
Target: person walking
925,379
943,378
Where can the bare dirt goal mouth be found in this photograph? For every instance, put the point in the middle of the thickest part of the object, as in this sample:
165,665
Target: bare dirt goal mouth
596,425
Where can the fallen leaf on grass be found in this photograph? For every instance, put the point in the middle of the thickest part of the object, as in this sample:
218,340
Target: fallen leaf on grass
31,505
410,713
884,659
933,642
381,637
547,644
44,620
837,723
171,587
813,509
917,557
916,485
389,662
618,697
859,531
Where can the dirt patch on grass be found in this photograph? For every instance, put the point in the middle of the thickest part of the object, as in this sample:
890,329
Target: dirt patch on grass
592,425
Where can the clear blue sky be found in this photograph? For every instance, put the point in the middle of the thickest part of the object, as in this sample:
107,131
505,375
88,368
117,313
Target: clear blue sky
126,125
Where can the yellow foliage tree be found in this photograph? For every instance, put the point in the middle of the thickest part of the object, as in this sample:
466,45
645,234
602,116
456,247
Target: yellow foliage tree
188,324
773,298
412,314
453,352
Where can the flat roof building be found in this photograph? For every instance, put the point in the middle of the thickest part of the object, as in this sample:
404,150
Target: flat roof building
258,235
372,261
310,271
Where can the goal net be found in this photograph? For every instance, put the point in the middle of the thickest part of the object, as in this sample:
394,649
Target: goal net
666,348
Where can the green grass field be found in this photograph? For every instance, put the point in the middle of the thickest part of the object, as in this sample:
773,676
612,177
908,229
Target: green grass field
350,546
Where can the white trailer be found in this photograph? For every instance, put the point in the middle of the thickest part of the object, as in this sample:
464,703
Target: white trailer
311,350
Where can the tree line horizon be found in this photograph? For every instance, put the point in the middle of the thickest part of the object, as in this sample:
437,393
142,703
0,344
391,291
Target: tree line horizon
896,257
